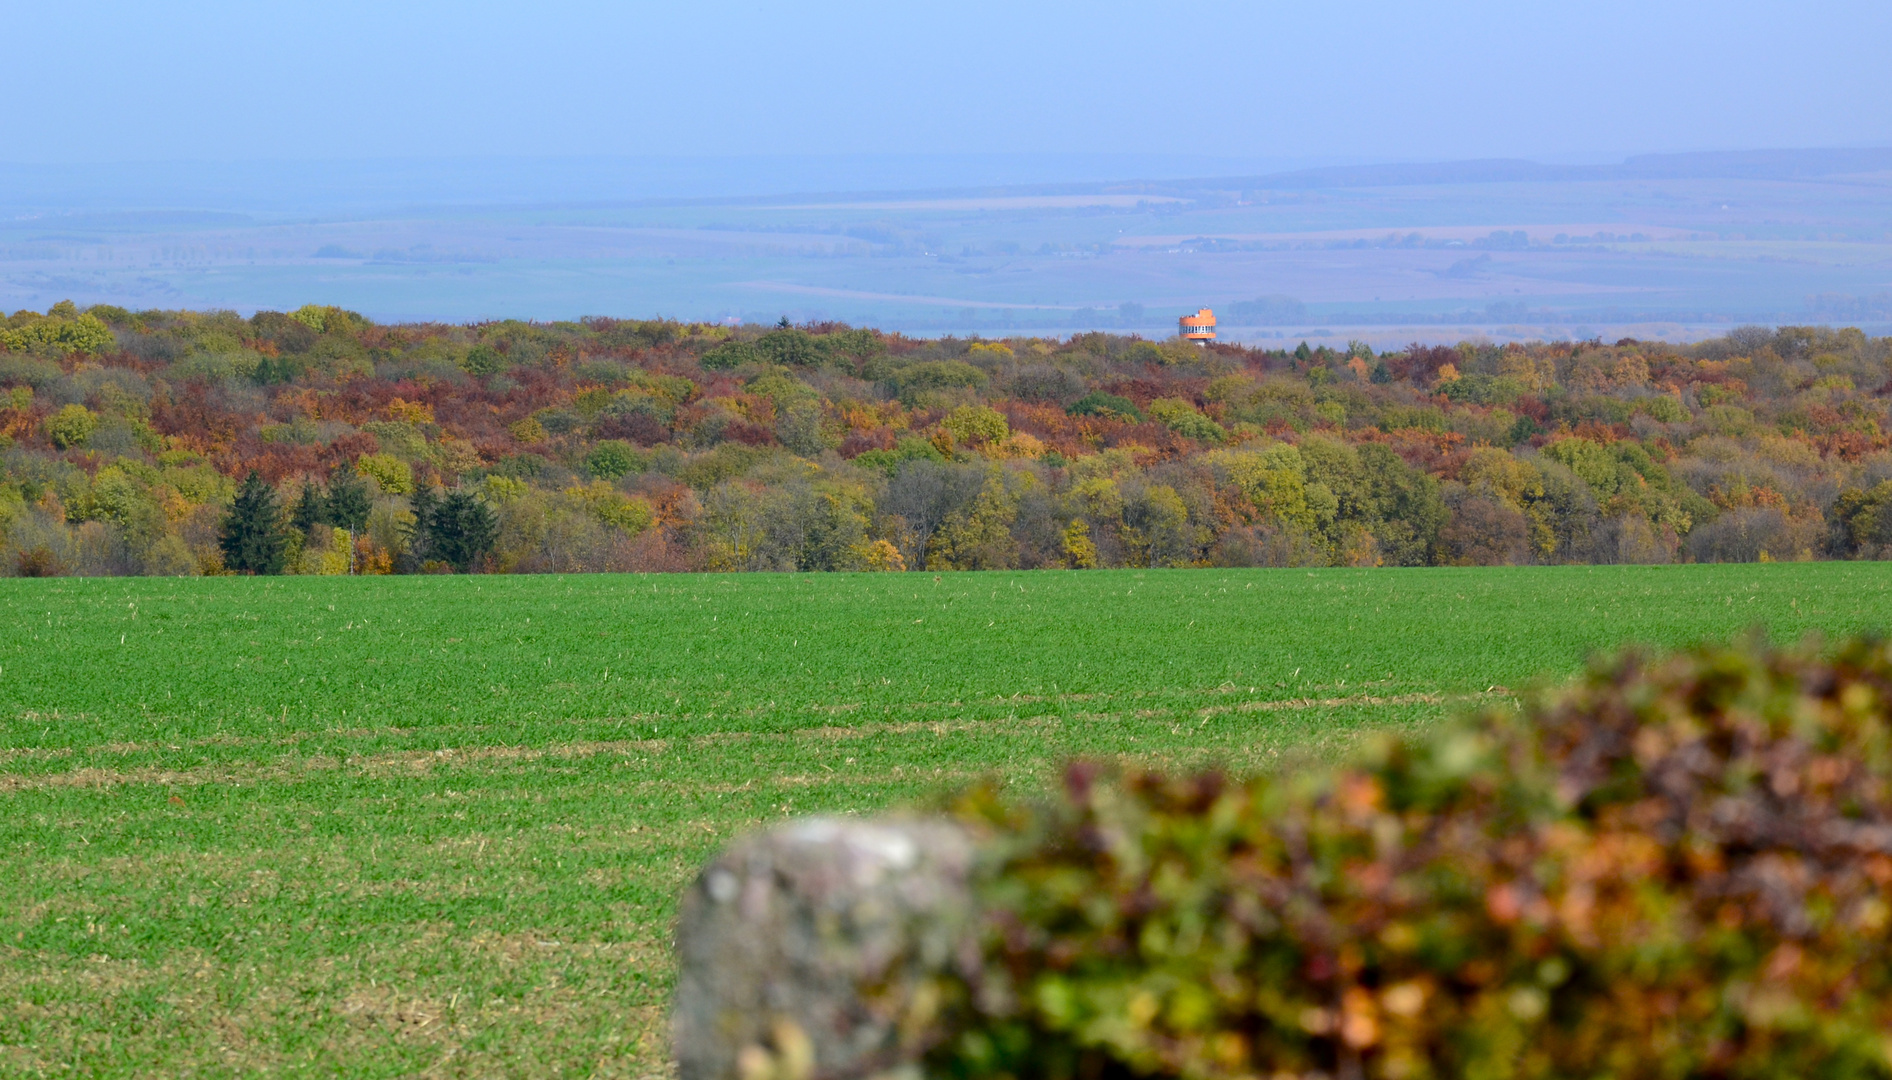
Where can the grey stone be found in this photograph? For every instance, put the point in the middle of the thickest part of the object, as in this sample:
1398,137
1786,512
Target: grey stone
808,952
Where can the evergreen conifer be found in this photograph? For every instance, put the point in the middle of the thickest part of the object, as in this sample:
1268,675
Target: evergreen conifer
348,502
462,530
253,536
310,510
423,503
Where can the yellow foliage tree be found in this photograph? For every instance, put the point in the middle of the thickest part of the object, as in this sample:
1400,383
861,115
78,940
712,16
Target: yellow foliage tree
388,471
1080,551
977,425
882,555
613,507
71,426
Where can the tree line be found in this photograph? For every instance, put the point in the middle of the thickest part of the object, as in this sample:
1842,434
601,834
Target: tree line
316,441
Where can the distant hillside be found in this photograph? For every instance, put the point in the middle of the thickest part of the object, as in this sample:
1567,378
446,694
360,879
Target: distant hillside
1737,164
1703,165
176,442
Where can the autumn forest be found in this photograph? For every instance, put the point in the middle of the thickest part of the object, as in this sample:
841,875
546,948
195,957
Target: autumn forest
318,442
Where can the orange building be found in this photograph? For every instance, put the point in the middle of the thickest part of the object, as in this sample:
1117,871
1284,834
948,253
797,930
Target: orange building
1199,328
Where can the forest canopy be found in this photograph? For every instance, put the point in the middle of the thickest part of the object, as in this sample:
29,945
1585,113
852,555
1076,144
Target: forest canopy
317,441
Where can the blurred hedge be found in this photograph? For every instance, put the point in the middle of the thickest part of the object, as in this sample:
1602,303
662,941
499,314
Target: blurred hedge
1677,867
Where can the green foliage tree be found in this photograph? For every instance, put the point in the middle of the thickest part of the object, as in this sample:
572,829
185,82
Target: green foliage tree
612,458
859,344
1405,512
1157,529
313,316
730,355
64,331
483,359
789,346
1861,522
287,334
71,426
1098,403
798,426
976,424
1273,478
391,474
1182,418
833,534
118,495
977,535
733,529
1624,477
910,382
271,370
252,538
907,448
790,521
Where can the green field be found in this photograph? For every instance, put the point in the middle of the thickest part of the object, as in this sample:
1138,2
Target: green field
382,826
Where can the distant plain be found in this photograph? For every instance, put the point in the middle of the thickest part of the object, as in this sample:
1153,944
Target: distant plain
1385,254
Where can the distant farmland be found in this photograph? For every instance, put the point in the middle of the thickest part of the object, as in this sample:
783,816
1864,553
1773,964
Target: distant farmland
385,826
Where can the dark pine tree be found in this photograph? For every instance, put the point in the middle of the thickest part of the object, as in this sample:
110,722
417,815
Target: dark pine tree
420,533
310,510
253,535
462,530
348,503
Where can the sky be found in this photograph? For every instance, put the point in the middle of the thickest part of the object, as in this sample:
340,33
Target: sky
1335,81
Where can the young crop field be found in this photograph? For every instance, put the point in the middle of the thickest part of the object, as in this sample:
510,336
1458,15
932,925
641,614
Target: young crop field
378,827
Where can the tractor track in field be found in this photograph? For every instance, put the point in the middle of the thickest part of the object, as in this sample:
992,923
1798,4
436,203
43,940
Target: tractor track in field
293,768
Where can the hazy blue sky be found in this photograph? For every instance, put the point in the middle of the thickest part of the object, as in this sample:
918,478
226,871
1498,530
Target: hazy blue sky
97,80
